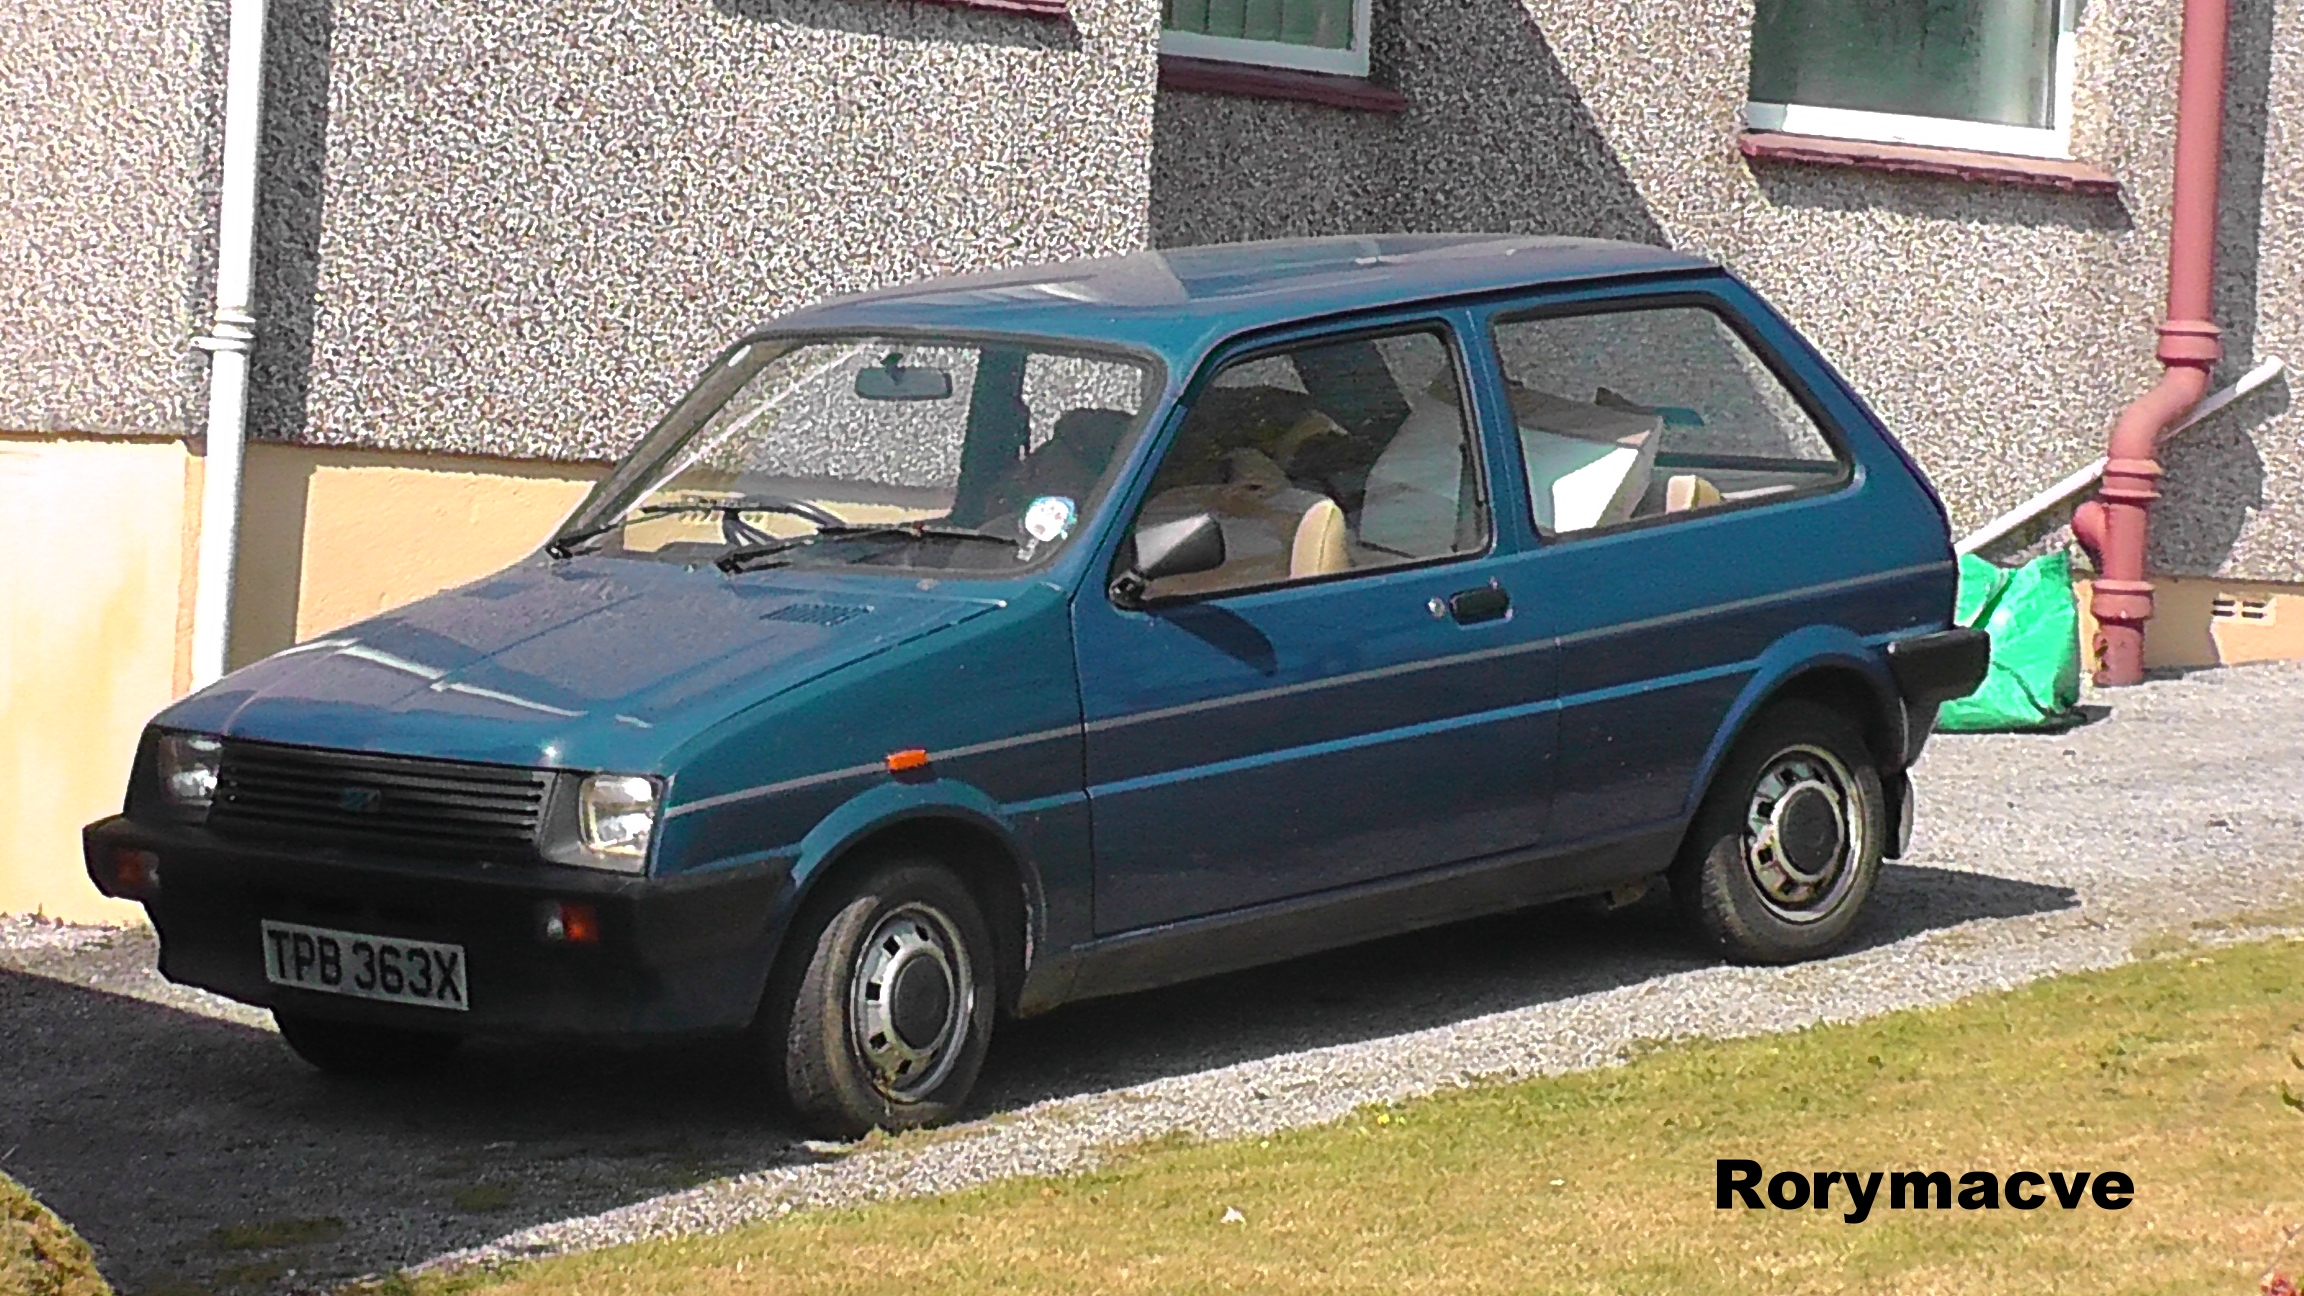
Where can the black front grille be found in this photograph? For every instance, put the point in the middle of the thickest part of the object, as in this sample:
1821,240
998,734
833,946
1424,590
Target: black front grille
428,805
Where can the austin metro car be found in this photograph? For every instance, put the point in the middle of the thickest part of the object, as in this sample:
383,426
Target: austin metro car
960,650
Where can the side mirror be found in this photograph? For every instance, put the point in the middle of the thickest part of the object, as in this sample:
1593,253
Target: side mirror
1178,548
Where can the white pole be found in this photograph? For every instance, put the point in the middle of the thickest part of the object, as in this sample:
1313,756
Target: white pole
228,343
2087,476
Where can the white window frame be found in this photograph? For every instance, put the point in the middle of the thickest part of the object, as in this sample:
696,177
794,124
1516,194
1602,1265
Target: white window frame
1351,62
1942,132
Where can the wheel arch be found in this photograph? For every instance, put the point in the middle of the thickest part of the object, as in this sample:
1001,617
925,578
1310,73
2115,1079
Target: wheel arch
951,822
1828,665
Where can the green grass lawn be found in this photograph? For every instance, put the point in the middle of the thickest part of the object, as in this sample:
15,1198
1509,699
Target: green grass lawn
2167,1070
39,1256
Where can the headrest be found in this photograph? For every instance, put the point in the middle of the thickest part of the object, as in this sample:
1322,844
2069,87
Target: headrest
1092,432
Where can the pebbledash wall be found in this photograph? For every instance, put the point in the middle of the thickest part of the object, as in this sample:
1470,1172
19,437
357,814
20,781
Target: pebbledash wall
1997,328
494,241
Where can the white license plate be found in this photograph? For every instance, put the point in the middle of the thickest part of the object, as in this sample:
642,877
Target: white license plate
366,967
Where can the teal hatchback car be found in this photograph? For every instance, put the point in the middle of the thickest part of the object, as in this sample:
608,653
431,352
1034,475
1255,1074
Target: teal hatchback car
976,646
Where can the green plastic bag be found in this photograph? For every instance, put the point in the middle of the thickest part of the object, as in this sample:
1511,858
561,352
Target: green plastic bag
2034,679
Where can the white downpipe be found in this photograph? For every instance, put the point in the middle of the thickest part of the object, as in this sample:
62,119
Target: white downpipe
228,342
2087,476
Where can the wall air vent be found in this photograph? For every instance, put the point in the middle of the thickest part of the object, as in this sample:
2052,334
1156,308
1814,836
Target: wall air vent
817,614
2256,609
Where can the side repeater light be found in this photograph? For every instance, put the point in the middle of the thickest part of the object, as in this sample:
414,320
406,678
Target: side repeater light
907,760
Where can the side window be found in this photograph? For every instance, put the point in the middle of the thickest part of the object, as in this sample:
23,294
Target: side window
1329,458
1650,412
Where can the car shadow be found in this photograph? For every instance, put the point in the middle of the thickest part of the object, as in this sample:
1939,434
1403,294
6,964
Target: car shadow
1424,980
199,1155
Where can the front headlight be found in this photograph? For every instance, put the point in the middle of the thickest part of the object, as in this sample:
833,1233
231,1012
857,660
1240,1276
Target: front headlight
186,765
615,815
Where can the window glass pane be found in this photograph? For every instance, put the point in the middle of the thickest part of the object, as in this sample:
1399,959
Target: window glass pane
1000,448
1974,60
1057,387
1345,456
1319,24
1642,413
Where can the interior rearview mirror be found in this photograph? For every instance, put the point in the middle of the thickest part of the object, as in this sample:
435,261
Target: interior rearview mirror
1178,548
893,380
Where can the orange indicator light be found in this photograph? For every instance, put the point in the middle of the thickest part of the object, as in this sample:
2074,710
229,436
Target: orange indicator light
571,922
911,758
135,873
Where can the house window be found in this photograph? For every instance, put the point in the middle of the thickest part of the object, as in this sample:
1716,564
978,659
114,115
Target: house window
1307,35
1989,75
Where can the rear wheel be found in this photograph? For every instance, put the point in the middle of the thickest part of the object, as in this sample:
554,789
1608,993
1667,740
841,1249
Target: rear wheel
1787,845
357,1049
881,1010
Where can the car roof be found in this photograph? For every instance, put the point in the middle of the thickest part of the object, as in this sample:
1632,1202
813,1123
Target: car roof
1179,301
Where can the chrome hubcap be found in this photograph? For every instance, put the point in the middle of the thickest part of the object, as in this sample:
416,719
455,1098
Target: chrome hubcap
1805,833
910,1001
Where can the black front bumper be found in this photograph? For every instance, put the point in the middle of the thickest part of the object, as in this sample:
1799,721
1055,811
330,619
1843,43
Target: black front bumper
675,954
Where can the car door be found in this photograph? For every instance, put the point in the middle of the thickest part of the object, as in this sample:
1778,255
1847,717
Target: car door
1694,508
1350,695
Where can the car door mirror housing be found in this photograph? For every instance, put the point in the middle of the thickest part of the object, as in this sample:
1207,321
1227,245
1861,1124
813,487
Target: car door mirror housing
1178,548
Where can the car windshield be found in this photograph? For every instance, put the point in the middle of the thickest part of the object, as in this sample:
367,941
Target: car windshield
969,457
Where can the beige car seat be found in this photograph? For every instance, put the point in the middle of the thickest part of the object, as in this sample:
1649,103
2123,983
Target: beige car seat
1319,548
1685,491
1273,529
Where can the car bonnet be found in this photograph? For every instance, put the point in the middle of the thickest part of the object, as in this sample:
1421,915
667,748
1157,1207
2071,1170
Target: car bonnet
585,664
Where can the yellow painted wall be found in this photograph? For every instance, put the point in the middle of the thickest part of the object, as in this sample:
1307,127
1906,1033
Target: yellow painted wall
2203,621
329,537
91,644
95,617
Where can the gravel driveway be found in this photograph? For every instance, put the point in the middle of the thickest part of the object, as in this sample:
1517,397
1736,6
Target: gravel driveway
182,1139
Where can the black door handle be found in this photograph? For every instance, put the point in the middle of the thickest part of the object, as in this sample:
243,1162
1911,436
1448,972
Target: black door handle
1472,606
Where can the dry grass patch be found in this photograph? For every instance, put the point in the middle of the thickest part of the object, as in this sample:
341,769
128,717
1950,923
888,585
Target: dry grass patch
39,1254
2265,921
1604,1181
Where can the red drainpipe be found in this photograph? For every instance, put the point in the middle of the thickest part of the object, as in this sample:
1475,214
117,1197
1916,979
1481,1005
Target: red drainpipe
2112,526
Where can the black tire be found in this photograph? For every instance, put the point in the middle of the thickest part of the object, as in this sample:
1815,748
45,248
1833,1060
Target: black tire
358,1049
1787,844
881,1008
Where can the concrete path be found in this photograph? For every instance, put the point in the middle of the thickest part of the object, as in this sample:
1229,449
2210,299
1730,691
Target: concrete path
185,1142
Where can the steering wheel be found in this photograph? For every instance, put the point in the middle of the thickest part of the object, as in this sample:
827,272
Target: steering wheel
736,531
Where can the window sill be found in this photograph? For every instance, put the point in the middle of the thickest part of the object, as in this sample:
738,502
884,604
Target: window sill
1214,76
1051,10
1912,159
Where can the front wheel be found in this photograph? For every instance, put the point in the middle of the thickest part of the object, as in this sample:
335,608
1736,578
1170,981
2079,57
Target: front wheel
354,1049
881,1012
1787,845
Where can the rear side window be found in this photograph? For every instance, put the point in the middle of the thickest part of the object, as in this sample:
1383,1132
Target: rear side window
1652,413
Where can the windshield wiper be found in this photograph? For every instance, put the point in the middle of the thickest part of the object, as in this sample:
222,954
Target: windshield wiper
914,531
822,517
565,546
736,560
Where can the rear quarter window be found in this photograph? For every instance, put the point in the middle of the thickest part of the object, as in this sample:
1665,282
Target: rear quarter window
1652,413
